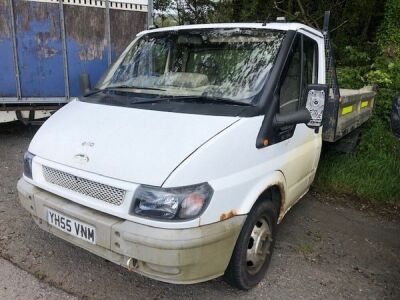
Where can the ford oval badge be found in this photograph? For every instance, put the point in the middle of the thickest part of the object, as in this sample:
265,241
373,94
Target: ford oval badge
81,158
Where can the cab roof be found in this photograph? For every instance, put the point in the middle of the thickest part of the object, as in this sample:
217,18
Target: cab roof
284,26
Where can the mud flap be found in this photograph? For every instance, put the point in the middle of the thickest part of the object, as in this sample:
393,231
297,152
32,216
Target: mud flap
348,143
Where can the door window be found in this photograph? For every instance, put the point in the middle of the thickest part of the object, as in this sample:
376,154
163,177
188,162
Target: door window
290,88
300,72
310,58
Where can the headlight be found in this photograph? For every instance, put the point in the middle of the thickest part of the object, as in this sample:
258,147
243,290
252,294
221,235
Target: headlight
28,157
172,203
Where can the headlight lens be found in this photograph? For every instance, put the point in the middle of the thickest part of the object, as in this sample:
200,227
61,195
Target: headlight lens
172,203
28,157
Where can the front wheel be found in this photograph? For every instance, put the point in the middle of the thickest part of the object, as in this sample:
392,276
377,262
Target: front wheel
253,249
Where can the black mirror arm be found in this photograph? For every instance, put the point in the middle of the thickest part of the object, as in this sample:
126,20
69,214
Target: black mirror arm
297,117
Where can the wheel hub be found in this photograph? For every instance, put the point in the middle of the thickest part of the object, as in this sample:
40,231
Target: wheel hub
259,246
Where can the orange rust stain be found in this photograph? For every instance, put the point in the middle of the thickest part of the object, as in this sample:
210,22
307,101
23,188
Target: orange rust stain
228,215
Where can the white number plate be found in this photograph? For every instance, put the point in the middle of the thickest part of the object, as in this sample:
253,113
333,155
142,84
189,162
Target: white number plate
71,226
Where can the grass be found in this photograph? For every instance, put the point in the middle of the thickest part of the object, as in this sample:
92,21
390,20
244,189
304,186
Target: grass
372,172
304,249
39,275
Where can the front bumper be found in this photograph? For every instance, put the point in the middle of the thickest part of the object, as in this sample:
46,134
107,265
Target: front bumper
172,255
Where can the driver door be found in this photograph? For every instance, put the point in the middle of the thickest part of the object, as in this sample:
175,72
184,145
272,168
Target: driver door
302,143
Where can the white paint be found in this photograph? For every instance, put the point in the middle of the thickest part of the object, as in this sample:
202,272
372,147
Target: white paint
134,146
277,26
239,172
7,116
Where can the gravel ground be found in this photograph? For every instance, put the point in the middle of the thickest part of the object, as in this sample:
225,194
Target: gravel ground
18,284
325,249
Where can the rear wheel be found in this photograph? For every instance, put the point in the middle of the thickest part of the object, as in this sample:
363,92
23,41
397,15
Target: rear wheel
253,249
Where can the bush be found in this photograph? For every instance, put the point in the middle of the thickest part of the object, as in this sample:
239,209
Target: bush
350,56
372,172
351,77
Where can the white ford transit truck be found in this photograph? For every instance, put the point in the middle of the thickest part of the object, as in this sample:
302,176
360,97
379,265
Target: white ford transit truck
191,149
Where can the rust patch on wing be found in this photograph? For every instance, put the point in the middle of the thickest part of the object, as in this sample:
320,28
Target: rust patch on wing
228,215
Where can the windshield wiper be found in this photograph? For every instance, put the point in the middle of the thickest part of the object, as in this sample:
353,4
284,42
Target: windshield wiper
92,92
197,99
133,87
222,100
95,91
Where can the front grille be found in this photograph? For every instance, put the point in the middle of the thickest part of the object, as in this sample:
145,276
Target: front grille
84,186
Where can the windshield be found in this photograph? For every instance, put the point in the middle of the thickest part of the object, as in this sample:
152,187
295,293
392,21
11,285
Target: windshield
218,63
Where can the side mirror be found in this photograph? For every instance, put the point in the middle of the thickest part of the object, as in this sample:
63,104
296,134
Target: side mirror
297,117
84,83
315,98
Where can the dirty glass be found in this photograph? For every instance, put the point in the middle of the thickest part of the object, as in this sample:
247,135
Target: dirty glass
290,88
222,63
310,61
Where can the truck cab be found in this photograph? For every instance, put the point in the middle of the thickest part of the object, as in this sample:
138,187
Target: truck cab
191,149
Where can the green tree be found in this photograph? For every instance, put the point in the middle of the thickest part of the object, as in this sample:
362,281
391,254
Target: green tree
162,7
185,11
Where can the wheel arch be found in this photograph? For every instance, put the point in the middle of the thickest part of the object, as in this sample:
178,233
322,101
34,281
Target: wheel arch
272,188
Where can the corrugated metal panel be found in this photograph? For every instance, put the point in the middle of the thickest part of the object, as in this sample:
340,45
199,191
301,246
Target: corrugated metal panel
135,5
94,36
39,49
86,43
7,74
124,27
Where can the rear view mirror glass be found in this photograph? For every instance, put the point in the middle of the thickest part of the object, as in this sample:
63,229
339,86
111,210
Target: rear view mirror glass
315,103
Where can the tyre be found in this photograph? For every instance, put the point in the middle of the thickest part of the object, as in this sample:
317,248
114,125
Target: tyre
254,246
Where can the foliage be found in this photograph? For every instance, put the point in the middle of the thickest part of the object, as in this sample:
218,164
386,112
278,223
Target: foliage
379,77
352,57
389,33
372,172
385,71
389,44
173,12
383,105
352,68
350,77
354,22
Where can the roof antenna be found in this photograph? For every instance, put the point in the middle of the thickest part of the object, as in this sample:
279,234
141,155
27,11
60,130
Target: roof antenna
266,20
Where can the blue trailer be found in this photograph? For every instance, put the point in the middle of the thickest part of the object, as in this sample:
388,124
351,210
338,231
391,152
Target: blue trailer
45,45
